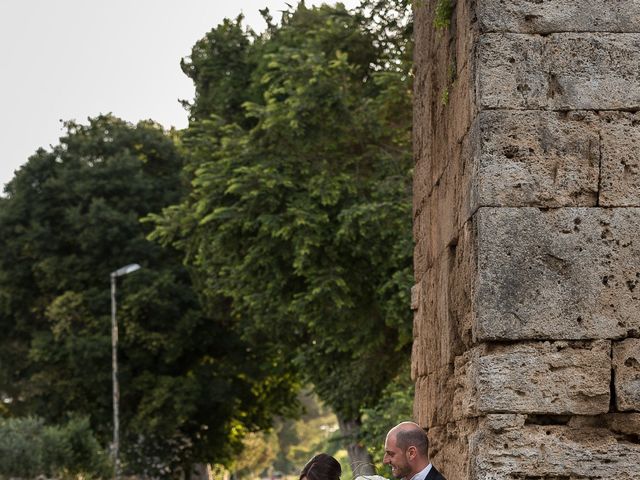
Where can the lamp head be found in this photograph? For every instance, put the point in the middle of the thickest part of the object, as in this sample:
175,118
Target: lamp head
132,267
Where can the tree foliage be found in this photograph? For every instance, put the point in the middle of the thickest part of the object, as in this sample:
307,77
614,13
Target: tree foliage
280,244
29,448
299,211
316,430
395,406
190,387
220,67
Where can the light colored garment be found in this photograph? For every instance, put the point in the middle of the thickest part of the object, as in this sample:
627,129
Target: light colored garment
370,477
422,474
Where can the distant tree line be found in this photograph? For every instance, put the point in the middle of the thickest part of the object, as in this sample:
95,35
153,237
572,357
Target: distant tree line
275,238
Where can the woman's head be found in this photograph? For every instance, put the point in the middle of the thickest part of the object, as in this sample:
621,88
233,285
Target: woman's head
321,467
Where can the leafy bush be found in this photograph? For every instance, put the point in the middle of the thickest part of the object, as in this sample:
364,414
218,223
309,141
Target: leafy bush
29,448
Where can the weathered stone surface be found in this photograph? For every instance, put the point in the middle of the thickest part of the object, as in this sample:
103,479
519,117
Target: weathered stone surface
426,115
504,421
545,159
443,320
445,394
551,159
450,204
565,71
536,159
567,273
422,260
441,161
514,447
432,389
416,291
593,71
541,378
558,16
449,448
627,424
551,451
620,183
509,72
624,424
444,103
626,365
530,121
556,378
421,180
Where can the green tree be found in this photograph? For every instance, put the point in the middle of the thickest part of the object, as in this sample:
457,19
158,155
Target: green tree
260,453
299,213
220,66
301,438
190,387
395,405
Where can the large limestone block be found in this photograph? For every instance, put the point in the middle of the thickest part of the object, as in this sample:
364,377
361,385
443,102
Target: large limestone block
450,204
564,71
420,222
620,183
444,104
421,178
433,405
443,318
510,72
553,378
422,257
542,378
447,209
441,161
536,158
445,394
558,16
626,364
626,425
568,273
449,448
550,451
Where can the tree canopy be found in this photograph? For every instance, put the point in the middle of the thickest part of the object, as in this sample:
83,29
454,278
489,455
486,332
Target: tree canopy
189,385
275,239
298,216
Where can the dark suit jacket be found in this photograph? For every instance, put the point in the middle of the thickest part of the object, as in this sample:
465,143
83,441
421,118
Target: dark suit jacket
434,474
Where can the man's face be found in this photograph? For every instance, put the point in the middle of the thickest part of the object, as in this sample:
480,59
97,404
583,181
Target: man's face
396,458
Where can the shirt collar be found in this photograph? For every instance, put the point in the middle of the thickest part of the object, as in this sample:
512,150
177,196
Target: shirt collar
422,474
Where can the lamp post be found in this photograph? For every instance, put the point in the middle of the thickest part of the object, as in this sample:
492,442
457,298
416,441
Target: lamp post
114,365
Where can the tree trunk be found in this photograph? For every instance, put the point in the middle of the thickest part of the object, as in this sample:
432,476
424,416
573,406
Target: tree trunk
361,461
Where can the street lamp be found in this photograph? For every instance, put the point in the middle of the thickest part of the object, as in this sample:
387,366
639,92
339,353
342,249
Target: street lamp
114,364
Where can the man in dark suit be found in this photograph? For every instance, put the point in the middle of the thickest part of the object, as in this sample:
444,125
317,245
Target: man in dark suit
406,451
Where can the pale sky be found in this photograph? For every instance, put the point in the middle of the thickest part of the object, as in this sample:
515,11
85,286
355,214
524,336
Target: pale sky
73,59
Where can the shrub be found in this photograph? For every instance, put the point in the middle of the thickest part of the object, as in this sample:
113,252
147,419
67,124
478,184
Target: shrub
29,448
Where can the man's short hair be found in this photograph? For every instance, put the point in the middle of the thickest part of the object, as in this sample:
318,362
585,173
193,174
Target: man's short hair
414,437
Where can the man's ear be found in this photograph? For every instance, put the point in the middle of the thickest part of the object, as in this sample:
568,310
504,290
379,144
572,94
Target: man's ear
412,452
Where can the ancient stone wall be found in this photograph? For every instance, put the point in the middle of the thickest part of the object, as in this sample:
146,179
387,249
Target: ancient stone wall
526,352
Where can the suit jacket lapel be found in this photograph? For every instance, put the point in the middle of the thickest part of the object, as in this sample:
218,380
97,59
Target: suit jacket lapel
433,474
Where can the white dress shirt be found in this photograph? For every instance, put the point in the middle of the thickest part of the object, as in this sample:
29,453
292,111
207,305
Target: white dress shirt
422,474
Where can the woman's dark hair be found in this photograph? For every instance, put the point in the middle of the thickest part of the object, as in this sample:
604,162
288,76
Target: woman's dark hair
321,467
